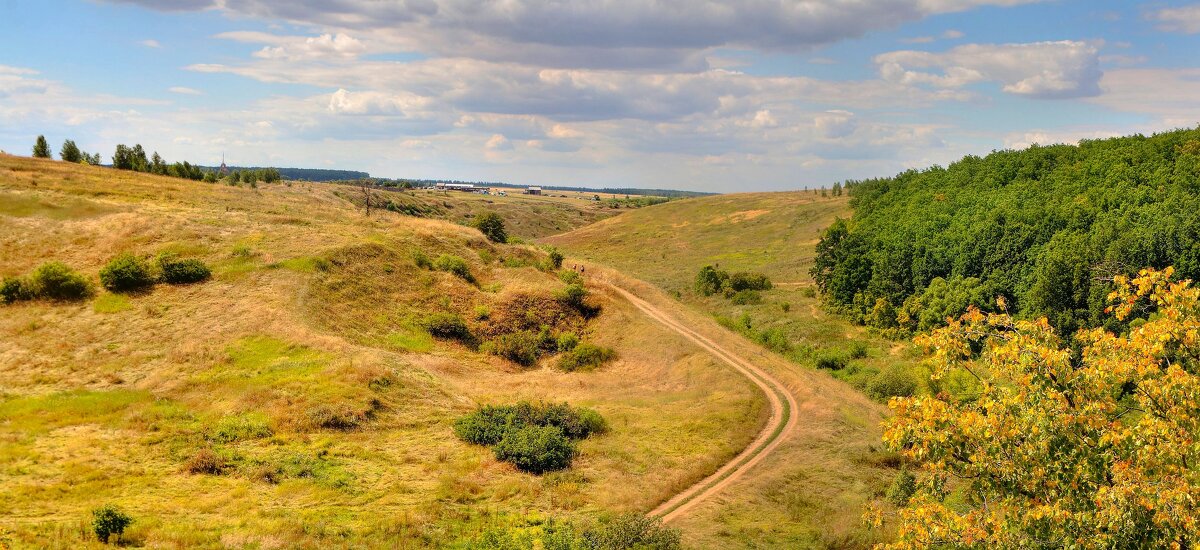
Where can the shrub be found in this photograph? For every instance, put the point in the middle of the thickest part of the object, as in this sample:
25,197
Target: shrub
572,295
206,461
422,261
447,325
585,357
632,531
570,277
536,449
567,341
492,227
336,417
786,307
181,272
14,290
809,292
746,298
745,280
893,382
56,281
126,272
710,280
456,265
556,258
482,313
831,361
109,520
486,426
858,350
522,347
902,488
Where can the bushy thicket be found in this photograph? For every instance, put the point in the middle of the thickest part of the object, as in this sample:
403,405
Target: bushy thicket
622,532
492,227
109,520
711,280
50,281
1045,228
181,272
447,325
534,437
585,357
126,272
454,264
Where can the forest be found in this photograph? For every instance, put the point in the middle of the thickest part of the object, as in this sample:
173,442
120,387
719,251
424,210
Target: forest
1045,228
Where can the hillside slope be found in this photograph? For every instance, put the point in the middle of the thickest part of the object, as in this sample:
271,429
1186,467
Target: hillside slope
812,491
294,400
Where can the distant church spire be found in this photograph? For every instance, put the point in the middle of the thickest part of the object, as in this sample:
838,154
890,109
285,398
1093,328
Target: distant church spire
224,169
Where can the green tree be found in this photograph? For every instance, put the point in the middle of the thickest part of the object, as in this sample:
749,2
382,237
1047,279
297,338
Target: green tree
109,520
710,280
492,227
41,149
70,152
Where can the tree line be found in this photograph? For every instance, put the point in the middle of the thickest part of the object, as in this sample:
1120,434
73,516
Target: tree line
135,159
1045,228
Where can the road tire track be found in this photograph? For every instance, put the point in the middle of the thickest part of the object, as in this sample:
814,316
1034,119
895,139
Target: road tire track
783,416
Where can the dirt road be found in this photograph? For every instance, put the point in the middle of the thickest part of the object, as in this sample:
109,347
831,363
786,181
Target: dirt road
783,417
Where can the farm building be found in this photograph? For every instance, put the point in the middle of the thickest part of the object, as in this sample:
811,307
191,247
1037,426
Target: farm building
469,187
533,191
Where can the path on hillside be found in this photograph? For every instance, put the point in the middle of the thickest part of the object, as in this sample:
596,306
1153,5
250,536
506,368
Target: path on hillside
783,417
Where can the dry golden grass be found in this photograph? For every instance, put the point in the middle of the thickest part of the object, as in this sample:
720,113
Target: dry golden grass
109,400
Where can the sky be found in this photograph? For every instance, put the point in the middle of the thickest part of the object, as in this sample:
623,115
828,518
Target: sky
737,95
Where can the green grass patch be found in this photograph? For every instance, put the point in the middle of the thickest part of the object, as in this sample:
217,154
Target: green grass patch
263,360
408,339
20,205
41,413
111,303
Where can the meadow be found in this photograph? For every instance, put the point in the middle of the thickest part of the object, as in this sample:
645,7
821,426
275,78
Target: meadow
294,399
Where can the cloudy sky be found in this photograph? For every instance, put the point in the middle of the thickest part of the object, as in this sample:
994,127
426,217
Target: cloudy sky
693,94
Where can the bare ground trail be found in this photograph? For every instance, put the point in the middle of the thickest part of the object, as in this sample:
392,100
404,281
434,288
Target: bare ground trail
781,422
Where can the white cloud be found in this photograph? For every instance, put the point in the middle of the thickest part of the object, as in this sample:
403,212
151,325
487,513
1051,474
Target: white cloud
1065,69
1185,19
150,43
498,143
836,124
184,90
953,34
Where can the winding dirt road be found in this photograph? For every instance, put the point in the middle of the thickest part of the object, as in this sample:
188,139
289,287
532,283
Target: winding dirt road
783,417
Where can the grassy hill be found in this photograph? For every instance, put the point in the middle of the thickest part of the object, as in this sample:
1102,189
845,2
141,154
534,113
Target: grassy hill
775,234
294,399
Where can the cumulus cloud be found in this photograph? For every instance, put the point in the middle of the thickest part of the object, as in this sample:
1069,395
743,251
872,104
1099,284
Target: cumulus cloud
184,90
1065,69
325,46
1185,19
150,43
614,33
835,124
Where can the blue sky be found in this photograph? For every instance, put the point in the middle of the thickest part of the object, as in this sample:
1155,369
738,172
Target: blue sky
725,96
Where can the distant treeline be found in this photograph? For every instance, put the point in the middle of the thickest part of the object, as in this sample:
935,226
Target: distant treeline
670,193
306,174
1045,228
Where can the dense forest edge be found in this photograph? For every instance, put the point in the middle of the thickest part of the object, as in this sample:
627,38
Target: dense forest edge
1045,228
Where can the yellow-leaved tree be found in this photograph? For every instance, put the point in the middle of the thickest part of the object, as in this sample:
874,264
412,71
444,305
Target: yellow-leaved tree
1096,448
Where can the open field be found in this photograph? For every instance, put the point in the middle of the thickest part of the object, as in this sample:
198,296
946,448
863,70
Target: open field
302,368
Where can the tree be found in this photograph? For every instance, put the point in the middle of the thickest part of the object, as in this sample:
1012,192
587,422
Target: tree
710,280
70,152
138,158
837,189
109,520
1052,448
122,158
157,164
492,227
41,149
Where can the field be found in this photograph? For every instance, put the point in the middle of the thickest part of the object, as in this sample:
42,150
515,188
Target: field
299,377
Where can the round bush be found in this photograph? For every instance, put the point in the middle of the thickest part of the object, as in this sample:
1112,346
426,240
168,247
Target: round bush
182,272
522,348
56,281
585,357
536,449
446,325
14,290
492,227
455,265
746,298
893,382
109,520
831,361
485,426
126,272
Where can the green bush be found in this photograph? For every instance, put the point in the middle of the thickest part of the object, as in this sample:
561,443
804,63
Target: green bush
56,281
421,260
488,424
456,265
556,258
446,325
536,449
567,341
109,520
522,348
831,361
710,280
858,350
492,227
632,531
126,272
893,382
570,277
745,280
14,290
181,272
585,357
902,488
746,298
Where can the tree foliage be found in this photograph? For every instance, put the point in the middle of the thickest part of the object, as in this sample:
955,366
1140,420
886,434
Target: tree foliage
41,149
1045,228
492,227
1096,449
70,152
